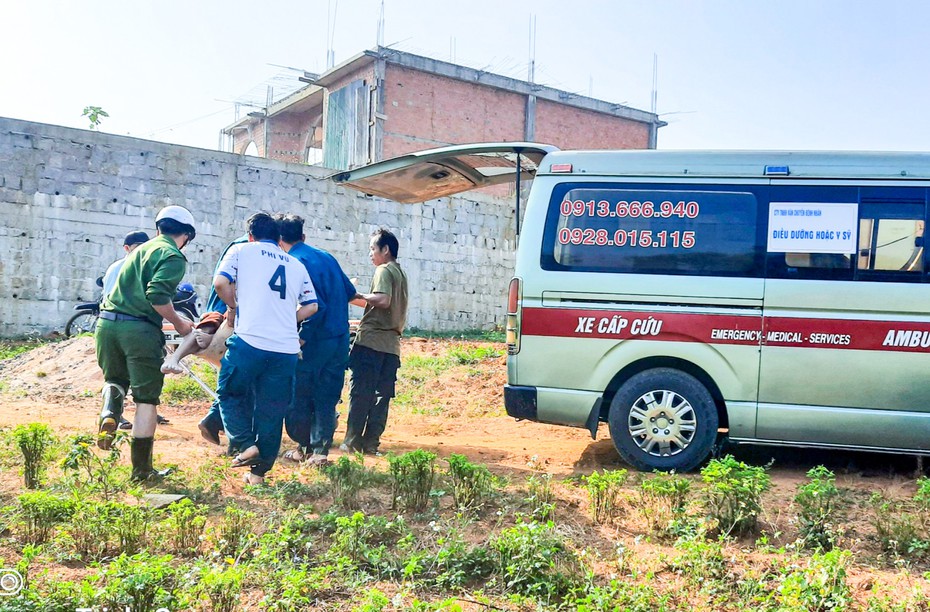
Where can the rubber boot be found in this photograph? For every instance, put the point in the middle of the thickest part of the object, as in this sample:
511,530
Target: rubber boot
141,454
110,414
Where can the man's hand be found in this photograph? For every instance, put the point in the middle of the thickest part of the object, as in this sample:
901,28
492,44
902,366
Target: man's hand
167,311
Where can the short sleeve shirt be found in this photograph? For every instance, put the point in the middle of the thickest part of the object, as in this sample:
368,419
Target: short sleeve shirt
380,328
269,287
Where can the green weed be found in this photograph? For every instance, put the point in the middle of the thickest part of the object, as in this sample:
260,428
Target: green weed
368,542
541,498
922,503
130,528
897,531
184,526
232,536
141,583
40,513
375,601
348,477
619,595
35,442
534,561
701,560
413,475
94,472
220,586
92,527
663,498
476,335
13,348
471,483
605,491
819,515
289,492
466,355
733,494
821,586
456,563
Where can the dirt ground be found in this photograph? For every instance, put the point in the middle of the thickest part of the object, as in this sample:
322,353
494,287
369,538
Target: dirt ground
59,384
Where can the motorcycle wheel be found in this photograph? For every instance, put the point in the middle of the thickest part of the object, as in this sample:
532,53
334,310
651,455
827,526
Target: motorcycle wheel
80,323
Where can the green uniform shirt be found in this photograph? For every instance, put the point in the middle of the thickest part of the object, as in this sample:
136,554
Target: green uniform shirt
380,328
150,276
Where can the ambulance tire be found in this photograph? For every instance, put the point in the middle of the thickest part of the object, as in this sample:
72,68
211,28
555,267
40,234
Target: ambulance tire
654,394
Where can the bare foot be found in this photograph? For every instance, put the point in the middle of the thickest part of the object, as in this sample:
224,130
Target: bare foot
171,366
253,479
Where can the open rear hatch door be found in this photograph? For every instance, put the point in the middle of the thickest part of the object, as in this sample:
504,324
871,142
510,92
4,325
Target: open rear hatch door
436,173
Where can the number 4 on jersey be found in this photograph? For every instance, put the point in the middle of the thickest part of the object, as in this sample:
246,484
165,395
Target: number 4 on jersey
278,282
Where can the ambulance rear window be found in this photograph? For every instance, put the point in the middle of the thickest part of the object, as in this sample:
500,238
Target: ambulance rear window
652,230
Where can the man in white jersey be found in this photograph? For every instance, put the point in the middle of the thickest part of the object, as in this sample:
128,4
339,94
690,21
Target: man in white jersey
267,293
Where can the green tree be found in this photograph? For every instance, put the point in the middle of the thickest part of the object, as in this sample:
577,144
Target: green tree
95,115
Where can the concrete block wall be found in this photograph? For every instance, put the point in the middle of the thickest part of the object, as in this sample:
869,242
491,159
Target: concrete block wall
68,196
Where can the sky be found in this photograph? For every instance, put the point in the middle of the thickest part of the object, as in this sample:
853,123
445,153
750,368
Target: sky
732,74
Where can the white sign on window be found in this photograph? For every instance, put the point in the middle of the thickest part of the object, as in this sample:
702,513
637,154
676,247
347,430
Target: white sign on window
807,227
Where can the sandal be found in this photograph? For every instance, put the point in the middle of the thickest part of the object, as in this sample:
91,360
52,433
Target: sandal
316,460
296,455
247,458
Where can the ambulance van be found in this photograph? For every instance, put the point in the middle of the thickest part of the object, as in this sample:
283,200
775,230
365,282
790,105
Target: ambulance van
773,297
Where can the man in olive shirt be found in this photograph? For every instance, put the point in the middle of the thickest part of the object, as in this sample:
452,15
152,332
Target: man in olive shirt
375,356
129,339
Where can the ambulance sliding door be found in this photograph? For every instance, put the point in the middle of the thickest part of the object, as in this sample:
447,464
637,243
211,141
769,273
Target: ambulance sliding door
846,318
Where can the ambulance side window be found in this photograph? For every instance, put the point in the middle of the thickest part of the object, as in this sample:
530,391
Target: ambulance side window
891,241
653,229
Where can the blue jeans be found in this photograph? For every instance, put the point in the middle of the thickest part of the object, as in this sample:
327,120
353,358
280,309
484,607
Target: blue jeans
256,421
321,374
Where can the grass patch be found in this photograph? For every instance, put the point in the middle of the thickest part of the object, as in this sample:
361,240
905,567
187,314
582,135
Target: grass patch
182,389
478,335
11,348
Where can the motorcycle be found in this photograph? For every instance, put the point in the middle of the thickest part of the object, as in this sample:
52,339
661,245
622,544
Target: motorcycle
85,319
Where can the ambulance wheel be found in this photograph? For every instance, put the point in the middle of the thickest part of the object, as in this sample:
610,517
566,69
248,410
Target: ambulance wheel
663,419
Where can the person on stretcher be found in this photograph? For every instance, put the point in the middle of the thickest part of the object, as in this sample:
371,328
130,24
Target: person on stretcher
207,341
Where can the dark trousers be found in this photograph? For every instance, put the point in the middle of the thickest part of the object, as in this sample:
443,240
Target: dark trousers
321,374
370,391
255,419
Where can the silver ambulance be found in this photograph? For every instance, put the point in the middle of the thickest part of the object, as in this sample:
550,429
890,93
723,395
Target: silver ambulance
774,297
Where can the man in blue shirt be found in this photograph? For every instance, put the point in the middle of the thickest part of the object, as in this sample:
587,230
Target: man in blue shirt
311,420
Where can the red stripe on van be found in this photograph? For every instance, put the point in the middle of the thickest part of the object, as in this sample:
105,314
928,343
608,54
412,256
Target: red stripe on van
728,329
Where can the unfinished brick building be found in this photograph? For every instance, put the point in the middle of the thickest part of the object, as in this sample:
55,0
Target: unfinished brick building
383,103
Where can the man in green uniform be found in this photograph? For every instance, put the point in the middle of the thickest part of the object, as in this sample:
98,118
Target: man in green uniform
375,356
129,338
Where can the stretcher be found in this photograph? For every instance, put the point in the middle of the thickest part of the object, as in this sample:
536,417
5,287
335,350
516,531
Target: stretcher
214,353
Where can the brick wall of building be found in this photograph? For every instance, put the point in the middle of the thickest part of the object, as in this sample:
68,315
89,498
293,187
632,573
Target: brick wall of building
568,127
426,110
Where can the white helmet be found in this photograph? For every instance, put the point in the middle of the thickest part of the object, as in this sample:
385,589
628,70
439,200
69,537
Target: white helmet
178,213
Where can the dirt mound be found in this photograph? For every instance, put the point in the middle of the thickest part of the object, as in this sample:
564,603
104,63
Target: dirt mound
59,369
